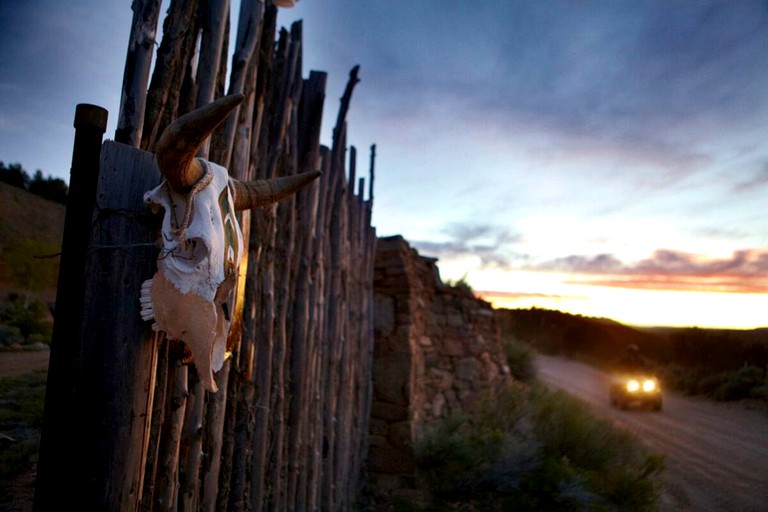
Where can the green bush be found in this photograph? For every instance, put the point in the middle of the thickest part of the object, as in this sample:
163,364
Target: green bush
536,450
740,384
461,284
26,315
10,334
759,392
611,462
520,361
747,382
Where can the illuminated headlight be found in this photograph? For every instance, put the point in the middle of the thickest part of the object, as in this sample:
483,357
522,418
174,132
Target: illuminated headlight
633,386
649,386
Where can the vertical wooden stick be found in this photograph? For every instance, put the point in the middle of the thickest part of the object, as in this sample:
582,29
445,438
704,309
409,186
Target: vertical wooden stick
138,62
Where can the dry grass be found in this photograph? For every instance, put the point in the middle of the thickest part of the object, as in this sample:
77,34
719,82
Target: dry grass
26,216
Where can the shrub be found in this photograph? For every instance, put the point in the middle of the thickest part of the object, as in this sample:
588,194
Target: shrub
536,450
759,392
612,463
460,284
9,335
520,361
27,316
749,381
740,384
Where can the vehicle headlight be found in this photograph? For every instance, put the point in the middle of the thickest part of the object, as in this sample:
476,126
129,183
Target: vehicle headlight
649,386
633,385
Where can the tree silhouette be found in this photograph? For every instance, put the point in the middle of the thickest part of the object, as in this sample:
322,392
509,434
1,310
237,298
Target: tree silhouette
14,175
53,189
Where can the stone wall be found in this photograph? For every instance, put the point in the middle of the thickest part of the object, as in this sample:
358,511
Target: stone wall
437,352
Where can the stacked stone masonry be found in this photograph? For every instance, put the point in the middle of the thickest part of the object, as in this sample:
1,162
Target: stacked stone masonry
437,352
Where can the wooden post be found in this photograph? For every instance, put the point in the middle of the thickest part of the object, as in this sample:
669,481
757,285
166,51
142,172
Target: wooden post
106,410
54,475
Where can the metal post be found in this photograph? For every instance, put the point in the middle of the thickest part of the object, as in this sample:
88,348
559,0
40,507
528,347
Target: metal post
55,463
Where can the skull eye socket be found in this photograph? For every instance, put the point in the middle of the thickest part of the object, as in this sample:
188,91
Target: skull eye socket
225,309
189,256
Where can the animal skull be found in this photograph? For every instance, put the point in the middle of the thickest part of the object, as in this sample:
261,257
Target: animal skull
192,294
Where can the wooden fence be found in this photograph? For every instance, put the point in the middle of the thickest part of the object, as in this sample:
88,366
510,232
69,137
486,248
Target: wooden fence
127,423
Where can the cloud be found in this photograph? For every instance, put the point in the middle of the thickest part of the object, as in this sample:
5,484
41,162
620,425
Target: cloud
757,180
491,243
493,295
669,283
721,233
600,264
639,93
745,271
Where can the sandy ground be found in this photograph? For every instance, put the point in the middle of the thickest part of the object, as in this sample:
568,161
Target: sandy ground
716,453
13,364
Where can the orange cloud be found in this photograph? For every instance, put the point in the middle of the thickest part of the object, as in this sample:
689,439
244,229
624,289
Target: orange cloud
745,271
488,295
712,283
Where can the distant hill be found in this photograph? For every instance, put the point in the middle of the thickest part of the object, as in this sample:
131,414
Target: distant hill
602,340
26,216
556,332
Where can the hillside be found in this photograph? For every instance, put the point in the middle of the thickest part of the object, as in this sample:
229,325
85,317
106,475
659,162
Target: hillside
26,216
563,333
605,340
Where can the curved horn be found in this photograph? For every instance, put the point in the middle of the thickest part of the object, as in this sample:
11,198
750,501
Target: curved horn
180,141
253,194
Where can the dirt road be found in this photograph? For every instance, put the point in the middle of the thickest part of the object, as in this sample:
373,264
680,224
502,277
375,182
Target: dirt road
13,364
716,453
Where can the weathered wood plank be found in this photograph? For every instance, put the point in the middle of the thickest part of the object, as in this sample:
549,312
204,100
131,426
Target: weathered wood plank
248,32
138,62
214,22
156,425
299,441
173,56
166,496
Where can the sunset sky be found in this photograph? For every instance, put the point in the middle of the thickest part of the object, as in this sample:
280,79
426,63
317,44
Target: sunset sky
606,158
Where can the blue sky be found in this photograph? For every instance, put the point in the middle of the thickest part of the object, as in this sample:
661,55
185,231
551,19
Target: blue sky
608,158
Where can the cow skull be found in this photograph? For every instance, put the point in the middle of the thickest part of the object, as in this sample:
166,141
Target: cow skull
191,295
